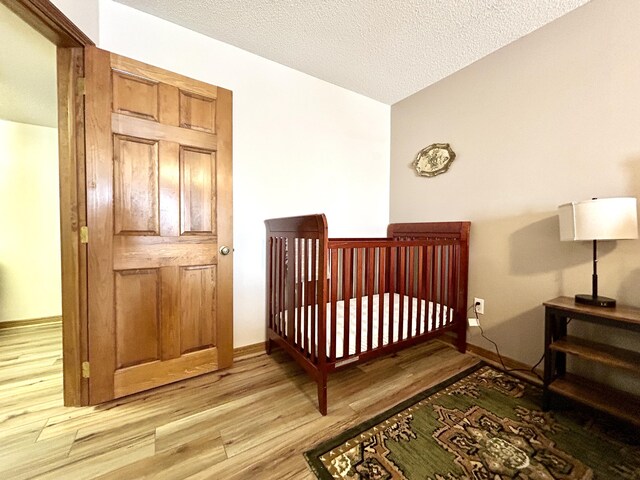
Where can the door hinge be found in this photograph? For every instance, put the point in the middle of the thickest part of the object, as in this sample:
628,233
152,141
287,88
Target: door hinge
86,370
80,86
84,234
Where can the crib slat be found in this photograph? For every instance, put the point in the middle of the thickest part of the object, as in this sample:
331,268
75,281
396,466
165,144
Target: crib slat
419,316
347,289
401,290
450,276
382,262
359,279
279,289
370,287
393,252
282,287
433,287
436,287
443,267
445,283
315,305
410,292
304,275
333,301
290,298
454,284
297,252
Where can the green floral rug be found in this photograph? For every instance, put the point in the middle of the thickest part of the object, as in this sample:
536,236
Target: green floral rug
481,424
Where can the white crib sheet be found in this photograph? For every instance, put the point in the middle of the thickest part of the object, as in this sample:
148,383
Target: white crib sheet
426,323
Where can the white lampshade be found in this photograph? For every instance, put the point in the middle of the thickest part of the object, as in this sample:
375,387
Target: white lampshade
599,219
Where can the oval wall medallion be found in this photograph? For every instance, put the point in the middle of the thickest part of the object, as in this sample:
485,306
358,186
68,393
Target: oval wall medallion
434,160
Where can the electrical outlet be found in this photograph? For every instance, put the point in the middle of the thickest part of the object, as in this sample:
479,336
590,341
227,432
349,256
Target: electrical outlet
478,304
473,322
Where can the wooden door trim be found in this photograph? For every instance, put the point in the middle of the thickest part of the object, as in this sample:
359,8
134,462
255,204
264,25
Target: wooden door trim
50,22
70,66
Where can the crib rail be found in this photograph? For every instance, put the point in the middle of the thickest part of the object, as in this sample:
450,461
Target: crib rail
406,278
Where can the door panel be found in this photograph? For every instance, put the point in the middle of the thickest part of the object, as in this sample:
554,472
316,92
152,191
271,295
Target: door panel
197,112
137,319
135,186
198,302
197,176
135,96
159,207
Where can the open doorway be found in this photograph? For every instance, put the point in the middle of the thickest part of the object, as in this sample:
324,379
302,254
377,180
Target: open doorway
30,258
42,167
30,278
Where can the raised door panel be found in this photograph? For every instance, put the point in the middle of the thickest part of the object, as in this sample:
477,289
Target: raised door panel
197,193
197,112
198,307
135,96
137,317
135,186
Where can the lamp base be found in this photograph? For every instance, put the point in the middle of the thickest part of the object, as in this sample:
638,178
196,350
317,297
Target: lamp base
596,301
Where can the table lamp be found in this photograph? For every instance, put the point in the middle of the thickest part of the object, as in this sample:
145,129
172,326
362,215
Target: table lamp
598,219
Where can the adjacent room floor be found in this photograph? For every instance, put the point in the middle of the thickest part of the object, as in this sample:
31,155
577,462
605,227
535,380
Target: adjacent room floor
252,421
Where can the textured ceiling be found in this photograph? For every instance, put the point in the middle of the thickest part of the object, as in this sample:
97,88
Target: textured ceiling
386,50
27,73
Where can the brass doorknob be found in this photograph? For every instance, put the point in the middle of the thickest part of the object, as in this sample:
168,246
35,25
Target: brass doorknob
224,250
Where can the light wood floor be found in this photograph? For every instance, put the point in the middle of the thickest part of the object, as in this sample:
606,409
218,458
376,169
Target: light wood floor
252,421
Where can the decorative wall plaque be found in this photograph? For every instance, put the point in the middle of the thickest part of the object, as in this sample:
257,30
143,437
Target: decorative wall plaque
434,160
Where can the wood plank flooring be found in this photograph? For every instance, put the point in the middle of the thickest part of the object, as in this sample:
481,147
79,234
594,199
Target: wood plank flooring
252,421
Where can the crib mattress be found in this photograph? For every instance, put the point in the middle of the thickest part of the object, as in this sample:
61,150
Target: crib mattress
420,321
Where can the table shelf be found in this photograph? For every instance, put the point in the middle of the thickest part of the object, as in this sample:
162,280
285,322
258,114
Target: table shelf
599,396
599,352
558,345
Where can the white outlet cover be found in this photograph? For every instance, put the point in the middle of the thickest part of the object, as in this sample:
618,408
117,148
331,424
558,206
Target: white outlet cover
480,308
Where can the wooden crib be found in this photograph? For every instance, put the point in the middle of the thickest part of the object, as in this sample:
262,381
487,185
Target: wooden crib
335,302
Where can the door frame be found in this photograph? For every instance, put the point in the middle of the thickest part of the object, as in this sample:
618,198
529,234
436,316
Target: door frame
70,41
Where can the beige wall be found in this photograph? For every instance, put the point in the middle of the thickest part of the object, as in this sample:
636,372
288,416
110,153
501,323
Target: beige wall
554,117
30,222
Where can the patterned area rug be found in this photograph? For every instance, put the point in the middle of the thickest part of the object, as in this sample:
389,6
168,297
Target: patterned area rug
481,424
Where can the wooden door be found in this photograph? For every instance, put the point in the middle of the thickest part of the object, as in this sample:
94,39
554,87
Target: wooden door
158,153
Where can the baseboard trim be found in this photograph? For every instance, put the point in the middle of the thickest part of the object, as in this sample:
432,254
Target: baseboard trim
493,359
248,351
30,322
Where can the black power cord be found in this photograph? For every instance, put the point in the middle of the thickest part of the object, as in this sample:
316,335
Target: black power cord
531,370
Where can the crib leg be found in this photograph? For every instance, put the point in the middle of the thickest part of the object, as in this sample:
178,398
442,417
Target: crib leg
268,345
322,394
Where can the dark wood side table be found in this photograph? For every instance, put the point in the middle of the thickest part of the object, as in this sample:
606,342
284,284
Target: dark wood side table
557,345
